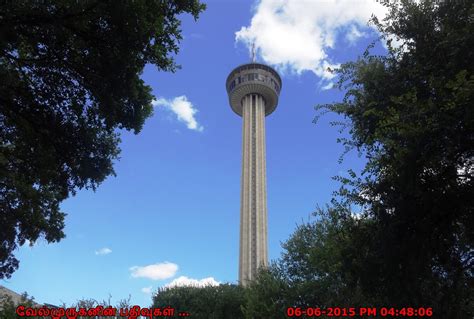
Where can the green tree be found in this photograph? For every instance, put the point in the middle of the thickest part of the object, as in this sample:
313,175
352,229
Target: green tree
411,113
320,267
267,296
210,302
8,306
70,78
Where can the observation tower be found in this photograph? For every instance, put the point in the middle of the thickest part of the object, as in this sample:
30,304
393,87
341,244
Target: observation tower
253,91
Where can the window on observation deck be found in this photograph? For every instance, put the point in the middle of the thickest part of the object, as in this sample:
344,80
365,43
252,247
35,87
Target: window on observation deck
232,85
275,85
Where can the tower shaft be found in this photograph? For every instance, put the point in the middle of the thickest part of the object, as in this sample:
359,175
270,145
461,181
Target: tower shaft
253,206
253,90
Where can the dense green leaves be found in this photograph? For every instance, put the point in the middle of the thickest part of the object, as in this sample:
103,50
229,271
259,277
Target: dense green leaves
268,296
70,78
411,114
8,306
320,267
213,302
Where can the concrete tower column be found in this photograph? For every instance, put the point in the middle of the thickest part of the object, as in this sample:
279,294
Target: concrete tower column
253,94
253,210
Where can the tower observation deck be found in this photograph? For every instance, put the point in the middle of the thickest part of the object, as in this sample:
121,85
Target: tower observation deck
253,91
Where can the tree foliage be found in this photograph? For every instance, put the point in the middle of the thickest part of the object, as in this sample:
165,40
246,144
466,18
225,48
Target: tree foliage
320,267
267,296
8,306
411,113
70,78
213,302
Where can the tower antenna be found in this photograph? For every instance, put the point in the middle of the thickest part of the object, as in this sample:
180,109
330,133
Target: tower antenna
253,52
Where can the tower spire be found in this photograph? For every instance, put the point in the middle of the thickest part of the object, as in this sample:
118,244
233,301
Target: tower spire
253,52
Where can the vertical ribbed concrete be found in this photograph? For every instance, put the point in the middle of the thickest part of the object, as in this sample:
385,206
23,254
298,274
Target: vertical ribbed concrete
253,90
253,211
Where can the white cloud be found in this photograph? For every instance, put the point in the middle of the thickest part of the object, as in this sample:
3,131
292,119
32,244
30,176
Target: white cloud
103,251
147,290
156,271
296,34
185,281
354,34
183,109
357,215
466,171
30,244
328,86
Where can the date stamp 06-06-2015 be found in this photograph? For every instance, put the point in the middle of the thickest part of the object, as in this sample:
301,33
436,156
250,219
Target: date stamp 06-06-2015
359,312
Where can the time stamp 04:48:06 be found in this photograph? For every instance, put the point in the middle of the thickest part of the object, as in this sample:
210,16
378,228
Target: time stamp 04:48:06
362,311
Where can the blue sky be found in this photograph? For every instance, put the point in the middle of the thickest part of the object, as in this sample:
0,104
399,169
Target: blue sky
171,215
